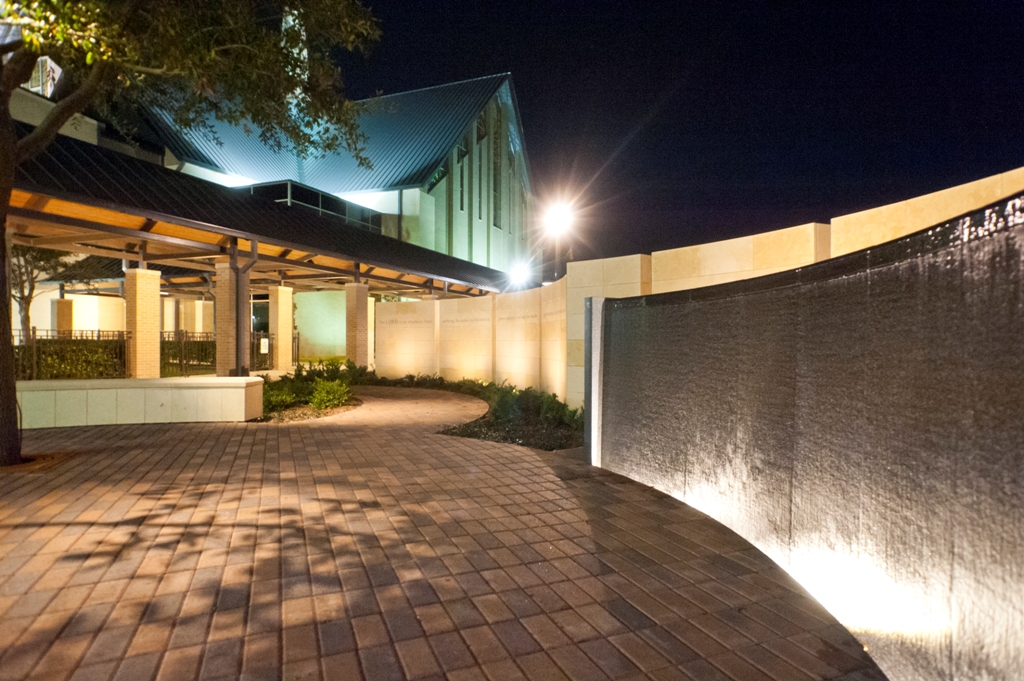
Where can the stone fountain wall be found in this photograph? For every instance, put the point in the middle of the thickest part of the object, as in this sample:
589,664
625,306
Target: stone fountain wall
861,420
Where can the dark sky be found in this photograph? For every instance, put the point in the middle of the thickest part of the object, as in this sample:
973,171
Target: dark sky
685,122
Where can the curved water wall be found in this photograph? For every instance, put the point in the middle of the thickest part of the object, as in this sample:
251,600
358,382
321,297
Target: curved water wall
862,422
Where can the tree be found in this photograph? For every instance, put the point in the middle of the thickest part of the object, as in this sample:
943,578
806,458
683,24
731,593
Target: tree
28,267
254,63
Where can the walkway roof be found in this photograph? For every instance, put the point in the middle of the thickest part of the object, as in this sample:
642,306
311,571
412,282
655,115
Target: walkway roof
84,198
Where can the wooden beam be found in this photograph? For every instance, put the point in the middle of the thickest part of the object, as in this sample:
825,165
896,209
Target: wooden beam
111,229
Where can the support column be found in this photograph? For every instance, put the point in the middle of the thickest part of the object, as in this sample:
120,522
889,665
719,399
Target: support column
232,287
281,326
62,311
357,340
142,322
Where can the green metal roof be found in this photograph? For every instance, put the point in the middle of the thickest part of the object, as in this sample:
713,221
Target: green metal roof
408,137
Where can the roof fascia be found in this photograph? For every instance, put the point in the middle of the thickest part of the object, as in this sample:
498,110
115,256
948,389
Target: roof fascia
227,231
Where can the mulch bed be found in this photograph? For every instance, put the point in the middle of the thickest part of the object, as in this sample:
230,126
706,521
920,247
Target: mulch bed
533,434
304,412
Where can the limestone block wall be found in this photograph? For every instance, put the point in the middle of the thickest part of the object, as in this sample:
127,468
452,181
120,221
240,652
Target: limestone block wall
679,269
405,338
609,278
100,313
878,225
517,345
466,338
552,338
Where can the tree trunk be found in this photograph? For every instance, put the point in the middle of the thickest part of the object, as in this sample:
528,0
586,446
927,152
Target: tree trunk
10,426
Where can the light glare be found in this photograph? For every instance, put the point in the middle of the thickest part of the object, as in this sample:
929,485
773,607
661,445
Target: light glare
519,275
558,219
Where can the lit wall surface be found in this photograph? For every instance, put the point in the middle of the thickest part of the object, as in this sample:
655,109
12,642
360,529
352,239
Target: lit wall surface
320,321
517,338
466,338
552,338
860,421
406,338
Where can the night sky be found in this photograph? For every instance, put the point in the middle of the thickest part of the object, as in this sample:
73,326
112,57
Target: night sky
683,122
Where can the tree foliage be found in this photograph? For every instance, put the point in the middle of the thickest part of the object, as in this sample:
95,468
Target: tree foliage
260,64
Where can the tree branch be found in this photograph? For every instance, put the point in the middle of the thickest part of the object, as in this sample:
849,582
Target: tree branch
7,48
149,71
46,132
17,70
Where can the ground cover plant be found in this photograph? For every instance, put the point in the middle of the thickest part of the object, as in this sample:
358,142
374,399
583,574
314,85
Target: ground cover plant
311,391
524,417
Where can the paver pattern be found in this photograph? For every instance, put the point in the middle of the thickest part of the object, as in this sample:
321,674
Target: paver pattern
366,546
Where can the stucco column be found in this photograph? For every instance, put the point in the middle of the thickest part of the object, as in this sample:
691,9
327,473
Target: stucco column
226,296
357,339
142,322
281,325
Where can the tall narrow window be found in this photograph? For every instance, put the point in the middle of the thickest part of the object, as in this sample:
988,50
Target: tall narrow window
461,154
496,165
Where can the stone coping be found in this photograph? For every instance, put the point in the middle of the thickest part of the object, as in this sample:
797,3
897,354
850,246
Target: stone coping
113,383
55,404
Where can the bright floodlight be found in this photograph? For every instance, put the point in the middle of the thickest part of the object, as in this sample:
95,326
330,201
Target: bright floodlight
519,275
558,219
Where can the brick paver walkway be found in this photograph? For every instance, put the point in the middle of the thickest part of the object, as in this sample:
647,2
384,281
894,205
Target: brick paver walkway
365,545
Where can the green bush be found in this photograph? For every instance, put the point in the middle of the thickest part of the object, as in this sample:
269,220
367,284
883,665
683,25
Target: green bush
329,394
276,399
506,406
552,410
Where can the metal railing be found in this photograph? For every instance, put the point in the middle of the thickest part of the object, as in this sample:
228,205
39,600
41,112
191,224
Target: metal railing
187,353
261,351
49,354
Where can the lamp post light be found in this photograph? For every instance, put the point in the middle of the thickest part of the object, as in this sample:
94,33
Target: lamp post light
557,221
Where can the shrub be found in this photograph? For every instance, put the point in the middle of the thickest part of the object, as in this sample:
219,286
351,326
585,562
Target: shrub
552,410
506,407
329,394
276,400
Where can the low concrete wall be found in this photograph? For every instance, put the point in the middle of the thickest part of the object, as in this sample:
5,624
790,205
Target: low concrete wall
860,421
53,404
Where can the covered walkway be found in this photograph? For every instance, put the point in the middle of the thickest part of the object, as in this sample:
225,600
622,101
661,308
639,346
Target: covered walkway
366,546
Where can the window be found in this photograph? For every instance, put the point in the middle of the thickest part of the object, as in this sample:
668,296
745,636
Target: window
496,165
438,175
461,153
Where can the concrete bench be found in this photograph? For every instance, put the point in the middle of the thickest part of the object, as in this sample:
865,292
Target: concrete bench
54,404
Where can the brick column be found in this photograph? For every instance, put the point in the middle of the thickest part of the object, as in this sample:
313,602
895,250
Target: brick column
281,326
142,322
224,293
357,323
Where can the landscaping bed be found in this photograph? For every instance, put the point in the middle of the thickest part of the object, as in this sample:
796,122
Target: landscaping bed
313,391
522,417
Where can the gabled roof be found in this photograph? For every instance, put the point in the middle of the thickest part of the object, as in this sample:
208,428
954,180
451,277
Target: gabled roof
94,176
408,137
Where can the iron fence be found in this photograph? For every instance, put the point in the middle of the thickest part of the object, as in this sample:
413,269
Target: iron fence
187,353
48,354
261,351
